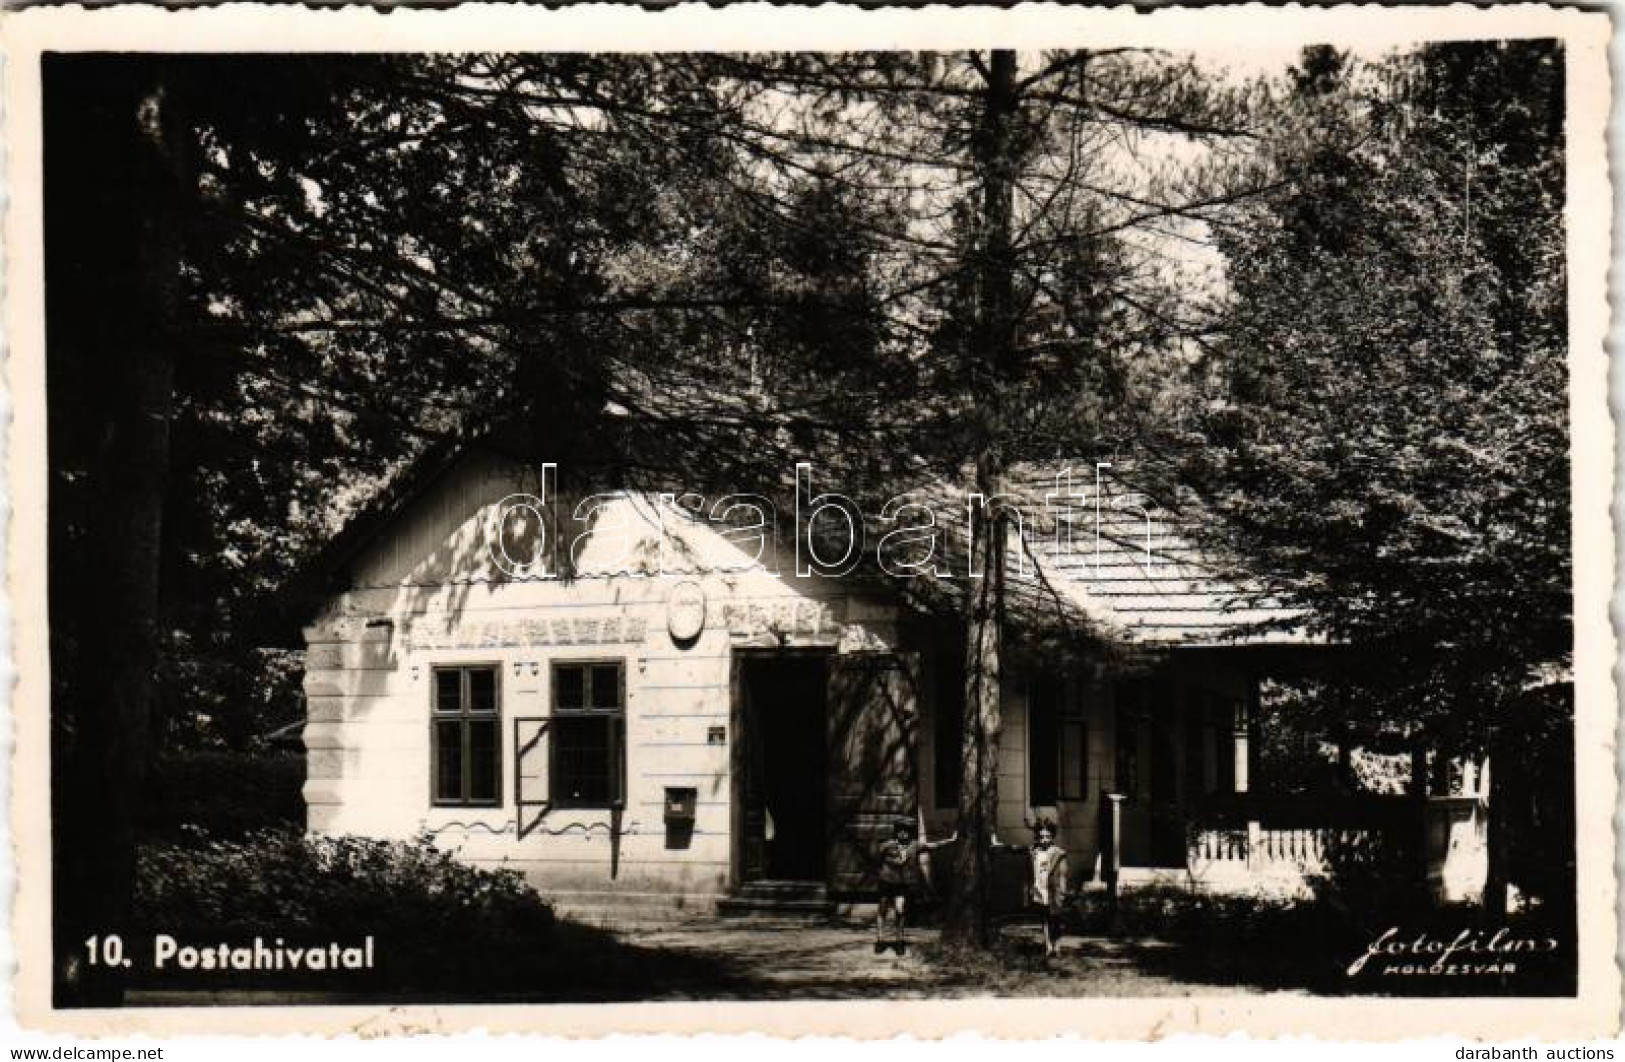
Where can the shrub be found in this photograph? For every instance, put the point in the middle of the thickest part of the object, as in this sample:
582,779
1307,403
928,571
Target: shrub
436,922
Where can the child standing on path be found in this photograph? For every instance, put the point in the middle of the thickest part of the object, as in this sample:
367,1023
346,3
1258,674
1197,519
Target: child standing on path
900,877
1049,883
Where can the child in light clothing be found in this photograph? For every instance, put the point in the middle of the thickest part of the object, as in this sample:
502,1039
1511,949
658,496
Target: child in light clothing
1049,882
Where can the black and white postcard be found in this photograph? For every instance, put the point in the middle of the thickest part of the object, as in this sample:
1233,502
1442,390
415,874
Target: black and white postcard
1053,519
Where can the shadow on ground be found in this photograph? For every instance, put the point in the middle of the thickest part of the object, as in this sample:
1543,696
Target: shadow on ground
763,960
752,959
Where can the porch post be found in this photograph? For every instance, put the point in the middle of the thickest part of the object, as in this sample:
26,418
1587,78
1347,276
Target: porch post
1239,742
1111,852
1419,771
1423,860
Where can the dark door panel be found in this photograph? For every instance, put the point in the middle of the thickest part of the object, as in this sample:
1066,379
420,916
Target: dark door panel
873,777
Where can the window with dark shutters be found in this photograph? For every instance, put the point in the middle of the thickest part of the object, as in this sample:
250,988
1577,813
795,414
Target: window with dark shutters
1225,712
465,737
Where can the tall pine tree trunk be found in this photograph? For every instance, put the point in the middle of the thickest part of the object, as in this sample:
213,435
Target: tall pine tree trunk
992,355
102,745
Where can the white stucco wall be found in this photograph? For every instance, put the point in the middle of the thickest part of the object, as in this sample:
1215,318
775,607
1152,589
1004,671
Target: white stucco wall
427,593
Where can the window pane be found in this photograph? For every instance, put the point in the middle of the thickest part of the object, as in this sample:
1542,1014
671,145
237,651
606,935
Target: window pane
482,690
448,691
1074,761
1126,776
606,686
484,766
448,760
1224,747
949,731
1042,741
582,773
569,686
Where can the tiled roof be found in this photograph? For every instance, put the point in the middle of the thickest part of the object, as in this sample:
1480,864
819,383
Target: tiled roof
1130,569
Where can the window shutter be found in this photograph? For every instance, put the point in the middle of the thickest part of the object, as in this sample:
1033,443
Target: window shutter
617,764
530,775
1074,760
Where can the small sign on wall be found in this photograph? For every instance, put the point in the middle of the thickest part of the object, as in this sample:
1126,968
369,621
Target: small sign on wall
685,612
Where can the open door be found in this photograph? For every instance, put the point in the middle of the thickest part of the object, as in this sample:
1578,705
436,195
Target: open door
873,777
782,791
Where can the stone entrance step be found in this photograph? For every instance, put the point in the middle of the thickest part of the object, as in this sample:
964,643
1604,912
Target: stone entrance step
778,899
622,909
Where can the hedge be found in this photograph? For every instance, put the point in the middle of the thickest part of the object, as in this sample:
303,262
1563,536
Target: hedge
435,922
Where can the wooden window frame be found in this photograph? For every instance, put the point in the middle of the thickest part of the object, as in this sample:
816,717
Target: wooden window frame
616,715
947,768
1203,744
1049,690
1073,785
464,715
1131,703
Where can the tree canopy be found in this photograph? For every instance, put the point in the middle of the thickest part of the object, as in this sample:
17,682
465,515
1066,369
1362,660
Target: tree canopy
717,264
903,265
1386,439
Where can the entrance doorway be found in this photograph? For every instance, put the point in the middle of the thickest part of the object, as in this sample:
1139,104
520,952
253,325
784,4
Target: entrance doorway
782,787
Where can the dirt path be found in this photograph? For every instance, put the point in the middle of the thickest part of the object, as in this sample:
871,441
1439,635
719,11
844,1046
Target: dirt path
766,959
758,959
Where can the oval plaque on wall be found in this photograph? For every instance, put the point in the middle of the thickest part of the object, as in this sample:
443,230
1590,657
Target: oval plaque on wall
685,612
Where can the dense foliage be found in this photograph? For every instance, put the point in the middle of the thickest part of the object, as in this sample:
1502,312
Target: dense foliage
436,920
224,794
1387,437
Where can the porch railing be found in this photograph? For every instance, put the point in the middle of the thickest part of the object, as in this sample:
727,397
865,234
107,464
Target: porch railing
1298,845
1299,835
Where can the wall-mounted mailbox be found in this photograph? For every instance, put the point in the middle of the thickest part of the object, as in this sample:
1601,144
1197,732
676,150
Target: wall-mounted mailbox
680,804
680,801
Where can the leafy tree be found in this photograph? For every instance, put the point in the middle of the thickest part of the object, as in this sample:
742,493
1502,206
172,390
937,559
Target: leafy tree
1388,436
902,263
312,273
111,303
